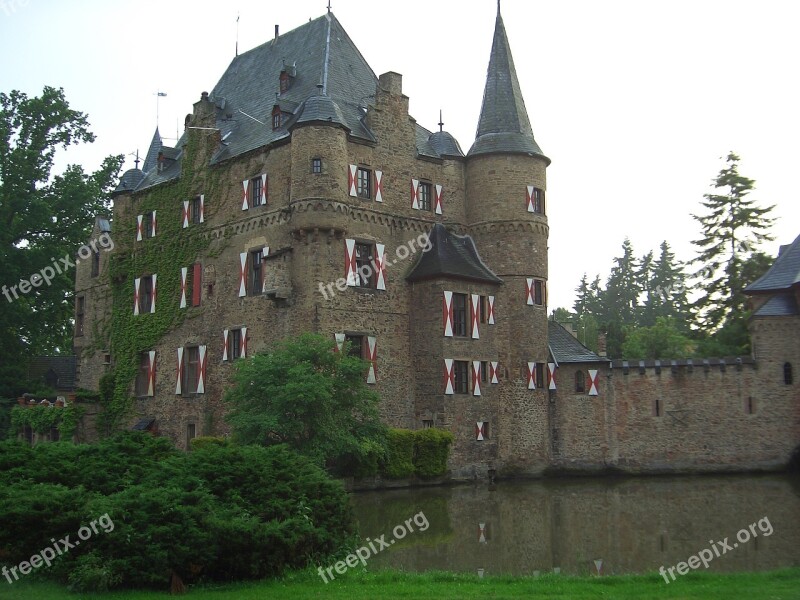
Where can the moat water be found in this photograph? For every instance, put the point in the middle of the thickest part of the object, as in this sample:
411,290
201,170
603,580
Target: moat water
587,526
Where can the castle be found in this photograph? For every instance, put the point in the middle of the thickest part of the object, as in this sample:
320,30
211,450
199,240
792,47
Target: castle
302,196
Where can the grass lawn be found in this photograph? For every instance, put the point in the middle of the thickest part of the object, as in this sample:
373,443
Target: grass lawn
774,585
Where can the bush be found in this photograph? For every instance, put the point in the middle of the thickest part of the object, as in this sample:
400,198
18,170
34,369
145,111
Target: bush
206,441
399,454
431,449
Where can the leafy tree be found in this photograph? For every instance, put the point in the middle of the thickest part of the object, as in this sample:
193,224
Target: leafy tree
307,396
664,340
43,217
732,227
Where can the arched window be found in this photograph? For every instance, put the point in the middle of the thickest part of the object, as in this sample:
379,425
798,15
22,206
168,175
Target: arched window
580,382
787,373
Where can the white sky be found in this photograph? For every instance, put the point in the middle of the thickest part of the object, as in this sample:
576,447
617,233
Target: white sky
635,102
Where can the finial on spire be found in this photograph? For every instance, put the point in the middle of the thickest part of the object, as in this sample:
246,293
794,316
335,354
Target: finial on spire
498,8
137,161
329,6
441,123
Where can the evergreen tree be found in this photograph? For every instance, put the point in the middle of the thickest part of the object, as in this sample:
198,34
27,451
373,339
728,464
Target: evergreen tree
668,291
620,299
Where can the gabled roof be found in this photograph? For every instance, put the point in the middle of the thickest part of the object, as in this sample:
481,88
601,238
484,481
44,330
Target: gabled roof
452,256
783,274
59,370
503,125
780,305
566,349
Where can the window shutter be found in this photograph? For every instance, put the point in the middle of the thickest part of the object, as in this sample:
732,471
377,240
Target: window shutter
339,337
529,198
136,283
352,173
449,377
151,373
493,372
531,375
264,254
264,188
438,199
529,290
490,318
139,227
415,194
350,262
447,314
153,300
185,214
201,376
372,357
225,344
202,208
245,194
154,223
593,382
380,266
378,186
475,315
179,372
476,378
551,376
243,346
184,272
197,283
479,431
242,274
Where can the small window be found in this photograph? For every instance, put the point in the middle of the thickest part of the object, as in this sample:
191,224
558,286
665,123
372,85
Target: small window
538,201
427,423
143,374
787,373
356,347
194,210
276,117
539,375
424,195
80,308
255,280
460,315
580,382
196,283
484,371
364,183
749,406
461,372
284,79
658,407
538,292
191,433
365,276
147,225
236,343
145,294
95,263
55,434
316,166
484,309
191,371
256,191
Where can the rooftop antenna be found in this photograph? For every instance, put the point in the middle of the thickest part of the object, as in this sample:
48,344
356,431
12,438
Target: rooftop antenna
441,123
158,95
237,34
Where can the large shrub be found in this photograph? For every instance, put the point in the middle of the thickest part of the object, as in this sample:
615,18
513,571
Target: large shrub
399,454
431,449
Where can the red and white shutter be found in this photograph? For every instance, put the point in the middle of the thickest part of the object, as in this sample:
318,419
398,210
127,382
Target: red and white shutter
529,290
352,174
245,194
447,314
378,186
493,372
438,199
154,224
380,266
350,262
151,373
449,377
339,341
476,378
179,372
372,357
136,283
490,303
225,344
242,274
264,188
531,375
154,296
201,372
202,208
593,382
481,533
243,343
415,194
186,213
551,376
197,279
475,315
139,227
480,431
184,271
529,198
264,254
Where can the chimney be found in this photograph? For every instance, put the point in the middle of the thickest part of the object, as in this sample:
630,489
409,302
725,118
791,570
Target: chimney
277,27
601,344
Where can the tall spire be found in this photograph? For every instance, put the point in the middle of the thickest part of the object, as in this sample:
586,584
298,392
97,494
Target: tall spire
503,125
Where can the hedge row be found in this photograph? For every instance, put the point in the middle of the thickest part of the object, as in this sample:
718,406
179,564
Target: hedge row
422,452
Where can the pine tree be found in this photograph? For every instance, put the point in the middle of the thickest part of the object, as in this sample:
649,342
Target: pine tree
620,299
668,291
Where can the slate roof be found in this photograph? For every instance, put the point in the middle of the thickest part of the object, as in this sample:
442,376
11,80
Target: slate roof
503,125
151,159
782,275
64,368
565,348
780,305
445,144
452,256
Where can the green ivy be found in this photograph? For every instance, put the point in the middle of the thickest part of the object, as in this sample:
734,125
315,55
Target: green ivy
42,418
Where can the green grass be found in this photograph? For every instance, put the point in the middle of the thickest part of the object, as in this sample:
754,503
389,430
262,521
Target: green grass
773,585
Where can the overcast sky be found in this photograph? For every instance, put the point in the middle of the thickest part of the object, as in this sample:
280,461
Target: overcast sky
635,102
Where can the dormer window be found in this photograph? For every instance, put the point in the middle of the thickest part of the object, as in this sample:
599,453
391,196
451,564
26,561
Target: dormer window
276,117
